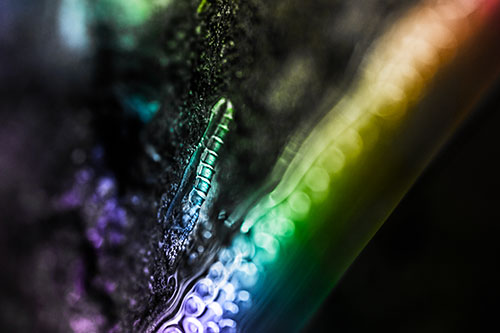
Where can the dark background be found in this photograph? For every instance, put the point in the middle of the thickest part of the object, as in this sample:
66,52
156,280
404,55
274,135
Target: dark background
433,266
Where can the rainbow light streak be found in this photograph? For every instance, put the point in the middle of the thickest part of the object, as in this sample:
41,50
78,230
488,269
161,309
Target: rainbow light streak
350,172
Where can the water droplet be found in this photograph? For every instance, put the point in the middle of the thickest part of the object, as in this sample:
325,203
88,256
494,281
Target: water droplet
333,160
212,327
243,247
205,288
194,306
171,329
216,310
243,296
216,272
231,308
317,179
192,325
300,203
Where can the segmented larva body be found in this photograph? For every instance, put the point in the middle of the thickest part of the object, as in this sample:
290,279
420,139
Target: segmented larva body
206,166
184,211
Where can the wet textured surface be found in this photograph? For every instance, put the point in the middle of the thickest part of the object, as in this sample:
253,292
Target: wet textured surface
98,129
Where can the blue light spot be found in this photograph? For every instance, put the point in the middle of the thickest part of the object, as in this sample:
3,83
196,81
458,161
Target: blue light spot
142,107
72,24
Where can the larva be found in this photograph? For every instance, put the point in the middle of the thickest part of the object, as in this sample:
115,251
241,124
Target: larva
194,189
206,167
